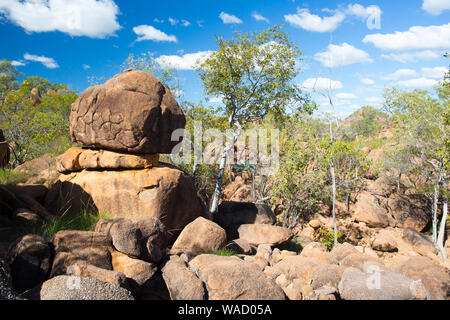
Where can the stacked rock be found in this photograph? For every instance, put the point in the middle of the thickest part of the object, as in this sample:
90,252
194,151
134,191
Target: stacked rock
123,126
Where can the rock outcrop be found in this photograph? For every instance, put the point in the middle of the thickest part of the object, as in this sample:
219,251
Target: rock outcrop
132,112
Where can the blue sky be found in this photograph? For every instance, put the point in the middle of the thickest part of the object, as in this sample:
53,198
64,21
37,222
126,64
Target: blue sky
354,48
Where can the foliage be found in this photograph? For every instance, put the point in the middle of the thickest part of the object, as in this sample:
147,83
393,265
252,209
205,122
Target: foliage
327,238
83,221
367,126
32,127
253,74
225,252
146,62
9,176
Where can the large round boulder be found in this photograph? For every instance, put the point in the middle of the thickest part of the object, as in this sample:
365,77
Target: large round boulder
132,112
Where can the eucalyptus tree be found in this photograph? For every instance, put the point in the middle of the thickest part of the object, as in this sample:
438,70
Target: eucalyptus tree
253,73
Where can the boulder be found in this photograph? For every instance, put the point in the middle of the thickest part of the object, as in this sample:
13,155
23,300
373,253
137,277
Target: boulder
420,242
76,159
30,259
369,210
382,187
257,234
410,211
72,246
342,250
315,250
327,275
231,215
140,237
201,236
384,241
295,267
26,218
138,273
230,278
379,285
132,112
241,246
85,270
79,288
163,192
361,261
435,278
181,282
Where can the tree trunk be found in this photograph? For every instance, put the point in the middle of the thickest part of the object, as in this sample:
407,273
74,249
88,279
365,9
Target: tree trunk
333,177
435,209
441,236
348,203
223,161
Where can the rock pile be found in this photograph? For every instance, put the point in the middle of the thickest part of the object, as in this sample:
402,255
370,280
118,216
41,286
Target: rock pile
124,125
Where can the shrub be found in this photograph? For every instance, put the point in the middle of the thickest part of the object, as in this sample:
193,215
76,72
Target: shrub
327,238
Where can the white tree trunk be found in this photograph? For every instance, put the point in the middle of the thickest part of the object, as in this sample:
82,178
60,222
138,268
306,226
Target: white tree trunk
223,162
435,209
333,177
441,235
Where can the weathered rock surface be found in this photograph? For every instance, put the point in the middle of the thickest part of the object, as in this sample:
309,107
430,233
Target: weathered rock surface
384,241
76,159
30,259
257,234
369,211
72,246
162,192
5,153
132,112
138,272
201,236
85,270
435,278
141,237
420,242
230,278
181,282
79,288
385,285
410,211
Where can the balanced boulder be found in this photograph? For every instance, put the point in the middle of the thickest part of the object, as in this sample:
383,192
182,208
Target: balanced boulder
132,112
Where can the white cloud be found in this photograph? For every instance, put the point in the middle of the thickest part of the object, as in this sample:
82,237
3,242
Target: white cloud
185,23
416,38
414,56
363,12
229,18
435,7
342,55
320,84
173,22
367,81
187,61
401,73
145,32
346,96
417,83
86,66
47,62
259,17
311,22
91,18
434,73
15,63
158,21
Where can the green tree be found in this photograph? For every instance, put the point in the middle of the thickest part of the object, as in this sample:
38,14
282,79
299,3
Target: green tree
253,74
422,126
33,129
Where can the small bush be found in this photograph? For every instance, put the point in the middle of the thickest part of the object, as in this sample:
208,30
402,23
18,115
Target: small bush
82,221
327,238
9,176
225,252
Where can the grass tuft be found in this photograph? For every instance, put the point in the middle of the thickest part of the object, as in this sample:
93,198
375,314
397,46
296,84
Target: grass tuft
225,252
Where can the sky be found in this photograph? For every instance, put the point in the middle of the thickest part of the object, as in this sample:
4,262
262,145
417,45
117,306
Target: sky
351,49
